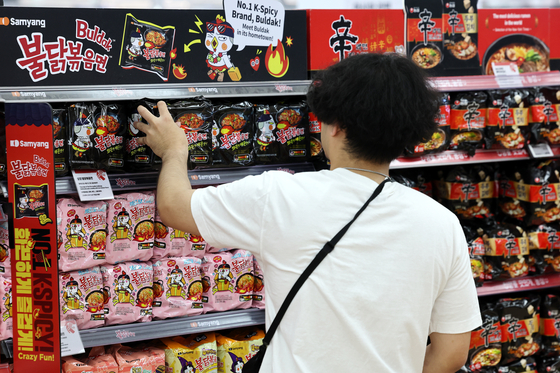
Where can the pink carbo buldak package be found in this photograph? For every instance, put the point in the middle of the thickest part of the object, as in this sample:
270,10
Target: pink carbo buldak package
131,227
6,324
196,246
168,242
129,288
5,261
177,287
258,286
82,298
82,234
227,280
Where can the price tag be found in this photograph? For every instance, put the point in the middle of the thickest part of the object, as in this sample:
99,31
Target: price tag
70,339
541,150
92,185
507,74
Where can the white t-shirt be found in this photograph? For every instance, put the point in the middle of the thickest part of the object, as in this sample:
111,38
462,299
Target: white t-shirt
401,271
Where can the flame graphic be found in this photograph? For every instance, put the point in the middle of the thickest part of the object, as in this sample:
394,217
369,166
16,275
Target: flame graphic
173,54
276,61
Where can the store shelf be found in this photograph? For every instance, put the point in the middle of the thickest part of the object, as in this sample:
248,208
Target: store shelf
521,284
453,157
153,91
484,82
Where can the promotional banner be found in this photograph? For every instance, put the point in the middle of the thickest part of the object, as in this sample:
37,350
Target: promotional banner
247,41
34,293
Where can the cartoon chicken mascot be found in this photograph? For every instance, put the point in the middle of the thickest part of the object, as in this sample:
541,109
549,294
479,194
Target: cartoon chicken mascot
71,296
176,283
23,203
83,128
223,277
266,127
121,224
76,234
123,289
131,119
219,41
136,43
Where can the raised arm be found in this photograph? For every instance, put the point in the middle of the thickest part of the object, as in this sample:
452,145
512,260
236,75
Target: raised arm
446,353
174,191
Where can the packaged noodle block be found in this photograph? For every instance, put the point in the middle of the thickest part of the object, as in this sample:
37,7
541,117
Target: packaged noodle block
6,325
227,280
258,286
195,245
139,360
98,361
197,353
83,233
5,265
130,220
130,292
177,287
168,241
82,298
235,349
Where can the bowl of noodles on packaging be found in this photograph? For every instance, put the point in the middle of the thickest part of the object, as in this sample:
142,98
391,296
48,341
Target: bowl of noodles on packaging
426,56
529,53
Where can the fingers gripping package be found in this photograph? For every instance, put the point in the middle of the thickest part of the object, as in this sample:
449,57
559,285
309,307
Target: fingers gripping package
227,280
197,353
196,119
258,286
82,298
98,361
168,242
485,348
177,287
232,135
129,286
476,252
235,349
130,220
6,325
139,360
507,252
508,123
139,157
82,230
468,121
544,246
147,47
5,261
60,137
441,137
543,116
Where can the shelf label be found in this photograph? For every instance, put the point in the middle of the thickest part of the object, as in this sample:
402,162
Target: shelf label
205,324
507,74
70,339
124,334
92,185
541,150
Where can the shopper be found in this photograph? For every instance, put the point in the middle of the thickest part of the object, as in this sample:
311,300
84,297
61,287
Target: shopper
400,274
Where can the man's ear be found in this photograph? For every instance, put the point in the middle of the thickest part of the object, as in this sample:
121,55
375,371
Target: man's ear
335,129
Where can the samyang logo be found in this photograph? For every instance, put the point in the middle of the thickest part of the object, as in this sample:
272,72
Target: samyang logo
29,144
23,22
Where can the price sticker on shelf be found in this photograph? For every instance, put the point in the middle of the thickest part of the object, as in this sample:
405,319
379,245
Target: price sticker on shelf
92,185
541,150
70,339
506,74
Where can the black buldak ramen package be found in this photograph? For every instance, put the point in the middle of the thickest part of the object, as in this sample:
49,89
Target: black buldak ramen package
139,157
468,120
60,138
508,123
520,327
147,47
266,145
196,119
293,131
31,201
485,348
543,116
550,325
81,131
440,138
111,128
232,135
507,252
3,156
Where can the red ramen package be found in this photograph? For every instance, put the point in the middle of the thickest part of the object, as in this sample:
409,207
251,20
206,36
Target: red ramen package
168,242
98,361
543,114
83,233
147,47
31,201
196,353
468,121
507,125
476,253
507,252
177,287
316,151
139,157
5,264
528,365
130,220
520,327
139,360
6,325
235,349
485,349
258,286
544,246
81,132
227,280
440,138
130,289
196,119
469,192
550,325
232,135
82,298
60,137
460,37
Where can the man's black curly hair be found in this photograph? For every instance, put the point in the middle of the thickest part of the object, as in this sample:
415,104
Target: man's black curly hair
382,101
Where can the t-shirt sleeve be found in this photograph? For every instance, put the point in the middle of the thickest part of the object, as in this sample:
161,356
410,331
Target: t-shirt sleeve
231,215
456,309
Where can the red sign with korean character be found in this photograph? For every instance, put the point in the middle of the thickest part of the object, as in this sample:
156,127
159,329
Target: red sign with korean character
36,326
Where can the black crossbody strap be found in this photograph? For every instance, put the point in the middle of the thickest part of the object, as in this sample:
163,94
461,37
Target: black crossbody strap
329,246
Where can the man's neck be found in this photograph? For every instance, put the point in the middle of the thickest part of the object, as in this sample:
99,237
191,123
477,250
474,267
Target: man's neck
363,168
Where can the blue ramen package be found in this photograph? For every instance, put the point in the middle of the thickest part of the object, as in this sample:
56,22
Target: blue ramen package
232,135
139,157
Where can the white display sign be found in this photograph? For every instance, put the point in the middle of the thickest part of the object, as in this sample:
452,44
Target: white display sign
70,339
92,185
541,150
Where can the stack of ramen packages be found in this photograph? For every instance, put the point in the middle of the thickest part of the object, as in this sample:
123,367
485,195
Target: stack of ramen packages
98,361
507,251
146,360
196,353
237,347
168,242
543,114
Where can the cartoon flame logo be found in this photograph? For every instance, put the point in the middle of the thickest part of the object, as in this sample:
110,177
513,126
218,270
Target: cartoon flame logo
276,61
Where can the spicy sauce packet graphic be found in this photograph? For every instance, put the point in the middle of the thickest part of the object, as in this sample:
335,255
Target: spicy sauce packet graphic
147,47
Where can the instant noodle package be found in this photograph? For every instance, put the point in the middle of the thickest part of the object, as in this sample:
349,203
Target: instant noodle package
139,360
440,138
235,349
82,231
468,121
419,181
232,135
82,297
177,287
139,157
98,361
168,242
543,114
507,125
543,246
5,261
195,353
128,288
507,251
130,220
476,253
258,286
60,136
485,348
31,201
227,280
6,325
549,317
